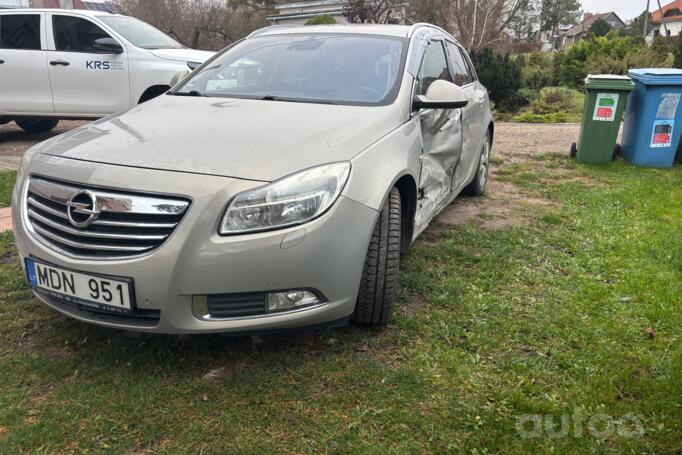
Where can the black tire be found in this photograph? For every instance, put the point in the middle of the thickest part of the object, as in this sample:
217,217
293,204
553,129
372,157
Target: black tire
34,126
574,150
617,151
379,284
478,184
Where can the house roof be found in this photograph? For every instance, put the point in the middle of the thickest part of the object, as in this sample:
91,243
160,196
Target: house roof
670,12
585,24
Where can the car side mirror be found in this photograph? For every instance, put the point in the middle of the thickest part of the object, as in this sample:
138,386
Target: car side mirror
107,46
441,94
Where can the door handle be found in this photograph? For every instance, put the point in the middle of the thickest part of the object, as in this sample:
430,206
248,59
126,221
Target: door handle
1,61
59,62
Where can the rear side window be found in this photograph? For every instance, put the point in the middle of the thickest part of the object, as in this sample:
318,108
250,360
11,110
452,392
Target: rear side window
73,34
434,67
460,71
20,31
470,65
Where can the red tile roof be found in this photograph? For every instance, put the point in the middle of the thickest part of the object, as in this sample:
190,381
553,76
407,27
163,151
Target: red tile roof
659,16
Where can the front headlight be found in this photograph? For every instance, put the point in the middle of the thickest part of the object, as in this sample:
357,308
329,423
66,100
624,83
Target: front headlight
293,200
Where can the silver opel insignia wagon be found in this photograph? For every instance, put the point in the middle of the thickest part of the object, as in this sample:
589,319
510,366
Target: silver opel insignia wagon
273,188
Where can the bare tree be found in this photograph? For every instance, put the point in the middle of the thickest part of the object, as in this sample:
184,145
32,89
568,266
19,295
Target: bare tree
475,23
203,24
374,11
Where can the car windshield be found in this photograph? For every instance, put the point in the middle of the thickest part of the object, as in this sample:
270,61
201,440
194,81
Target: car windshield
139,33
315,68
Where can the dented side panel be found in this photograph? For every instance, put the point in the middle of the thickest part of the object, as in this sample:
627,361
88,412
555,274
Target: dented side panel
441,132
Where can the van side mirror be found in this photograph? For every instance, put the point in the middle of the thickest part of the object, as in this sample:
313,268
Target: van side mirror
177,77
107,46
441,94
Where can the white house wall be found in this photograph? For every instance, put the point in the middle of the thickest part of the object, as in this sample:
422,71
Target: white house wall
674,27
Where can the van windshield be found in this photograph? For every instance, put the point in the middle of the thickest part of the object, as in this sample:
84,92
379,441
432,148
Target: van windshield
315,68
139,33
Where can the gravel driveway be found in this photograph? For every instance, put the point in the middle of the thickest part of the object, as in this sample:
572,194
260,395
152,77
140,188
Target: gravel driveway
534,138
14,141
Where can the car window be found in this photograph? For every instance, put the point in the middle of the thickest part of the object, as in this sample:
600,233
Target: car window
20,31
434,67
460,72
322,68
470,65
74,34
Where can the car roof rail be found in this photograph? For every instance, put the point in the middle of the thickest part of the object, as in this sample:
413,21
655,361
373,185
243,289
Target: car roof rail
260,31
418,25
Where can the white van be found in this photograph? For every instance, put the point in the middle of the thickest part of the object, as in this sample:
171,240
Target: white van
74,64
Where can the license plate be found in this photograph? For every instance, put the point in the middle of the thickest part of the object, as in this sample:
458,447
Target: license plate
104,293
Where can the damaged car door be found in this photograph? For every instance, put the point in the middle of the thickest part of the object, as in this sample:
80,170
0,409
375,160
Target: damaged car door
441,131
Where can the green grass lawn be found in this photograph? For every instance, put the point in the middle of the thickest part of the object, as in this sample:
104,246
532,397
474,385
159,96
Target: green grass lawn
575,313
6,184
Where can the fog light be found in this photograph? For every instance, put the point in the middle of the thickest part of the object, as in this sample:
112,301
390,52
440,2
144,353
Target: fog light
289,300
200,306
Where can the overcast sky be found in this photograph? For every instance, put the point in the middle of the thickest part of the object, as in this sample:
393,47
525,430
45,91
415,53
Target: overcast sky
626,9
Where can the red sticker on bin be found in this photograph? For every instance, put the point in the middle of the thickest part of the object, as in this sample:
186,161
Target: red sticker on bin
662,134
661,139
604,112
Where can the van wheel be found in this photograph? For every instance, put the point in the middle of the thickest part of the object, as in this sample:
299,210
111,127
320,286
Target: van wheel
478,184
379,285
34,126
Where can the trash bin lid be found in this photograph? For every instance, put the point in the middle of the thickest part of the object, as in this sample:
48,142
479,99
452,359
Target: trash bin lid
657,76
609,82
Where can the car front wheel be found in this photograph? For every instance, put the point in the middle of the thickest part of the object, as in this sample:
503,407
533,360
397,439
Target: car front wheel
37,125
379,285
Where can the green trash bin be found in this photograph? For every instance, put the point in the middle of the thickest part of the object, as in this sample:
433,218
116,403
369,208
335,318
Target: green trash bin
605,97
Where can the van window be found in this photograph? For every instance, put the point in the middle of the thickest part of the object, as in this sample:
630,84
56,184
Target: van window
20,31
73,34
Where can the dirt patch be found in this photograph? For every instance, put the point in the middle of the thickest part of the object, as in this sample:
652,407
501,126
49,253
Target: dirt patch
413,307
389,355
504,205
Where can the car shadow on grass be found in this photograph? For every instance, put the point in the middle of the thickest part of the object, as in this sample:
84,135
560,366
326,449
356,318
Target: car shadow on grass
60,339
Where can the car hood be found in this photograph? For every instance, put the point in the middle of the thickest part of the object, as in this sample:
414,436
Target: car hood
247,139
182,55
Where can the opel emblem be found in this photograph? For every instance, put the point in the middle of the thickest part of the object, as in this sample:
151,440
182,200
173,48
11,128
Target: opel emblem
82,209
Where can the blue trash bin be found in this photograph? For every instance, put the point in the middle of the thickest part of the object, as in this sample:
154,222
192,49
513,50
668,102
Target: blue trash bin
652,121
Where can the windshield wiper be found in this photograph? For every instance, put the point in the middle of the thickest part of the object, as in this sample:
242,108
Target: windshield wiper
294,100
190,93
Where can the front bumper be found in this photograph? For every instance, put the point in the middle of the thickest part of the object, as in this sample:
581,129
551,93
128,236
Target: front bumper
326,254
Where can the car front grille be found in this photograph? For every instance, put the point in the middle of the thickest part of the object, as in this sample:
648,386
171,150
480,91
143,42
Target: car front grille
94,223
